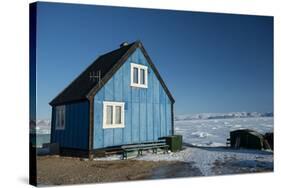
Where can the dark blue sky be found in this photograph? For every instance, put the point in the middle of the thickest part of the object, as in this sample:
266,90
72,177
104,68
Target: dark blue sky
210,62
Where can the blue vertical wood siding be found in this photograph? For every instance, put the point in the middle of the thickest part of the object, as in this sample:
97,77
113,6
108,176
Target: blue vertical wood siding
75,134
147,110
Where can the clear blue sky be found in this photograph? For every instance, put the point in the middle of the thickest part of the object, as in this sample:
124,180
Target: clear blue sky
210,62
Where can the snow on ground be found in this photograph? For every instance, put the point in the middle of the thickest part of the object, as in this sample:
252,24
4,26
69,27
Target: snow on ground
206,159
213,160
214,132
206,136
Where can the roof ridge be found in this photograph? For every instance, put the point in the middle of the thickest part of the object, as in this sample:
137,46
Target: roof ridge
131,44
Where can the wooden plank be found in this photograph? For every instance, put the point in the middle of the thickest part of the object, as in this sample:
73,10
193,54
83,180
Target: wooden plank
79,128
61,137
126,82
80,125
142,95
109,90
168,119
150,129
142,114
135,94
118,136
100,95
52,140
156,121
162,120
127,131
62,140
118,85
86,124
69,131
155,89
75,128
134,57
97,120
149,97
74,120
135,122
98,130
141,58
143,145
108,137
54,127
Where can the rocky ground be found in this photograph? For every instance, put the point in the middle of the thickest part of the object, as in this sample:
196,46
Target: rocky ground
54,170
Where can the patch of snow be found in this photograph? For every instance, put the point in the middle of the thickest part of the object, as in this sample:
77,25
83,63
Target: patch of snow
201,134
204,158
109,158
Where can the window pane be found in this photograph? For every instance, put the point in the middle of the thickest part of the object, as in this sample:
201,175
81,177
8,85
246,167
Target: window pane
57,117
62,117
109,112
118,114
136,75
142,76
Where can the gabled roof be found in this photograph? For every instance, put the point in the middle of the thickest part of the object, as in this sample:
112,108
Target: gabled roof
82,87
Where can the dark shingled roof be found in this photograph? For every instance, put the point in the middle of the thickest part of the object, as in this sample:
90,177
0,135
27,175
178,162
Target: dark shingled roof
108,64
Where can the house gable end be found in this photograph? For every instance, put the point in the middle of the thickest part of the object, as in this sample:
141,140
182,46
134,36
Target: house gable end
108,76
147,111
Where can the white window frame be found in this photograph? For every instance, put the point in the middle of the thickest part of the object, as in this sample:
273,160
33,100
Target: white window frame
139,67
60,114
113,104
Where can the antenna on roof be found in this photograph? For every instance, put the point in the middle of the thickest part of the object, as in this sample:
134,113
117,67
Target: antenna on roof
124,44
95,76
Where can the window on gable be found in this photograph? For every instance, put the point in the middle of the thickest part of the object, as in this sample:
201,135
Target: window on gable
138,75
60,117
113,114
118,114
142,76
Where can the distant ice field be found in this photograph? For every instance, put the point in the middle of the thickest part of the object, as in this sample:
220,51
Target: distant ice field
214,132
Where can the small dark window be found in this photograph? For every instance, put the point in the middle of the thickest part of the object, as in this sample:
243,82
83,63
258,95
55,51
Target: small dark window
60,117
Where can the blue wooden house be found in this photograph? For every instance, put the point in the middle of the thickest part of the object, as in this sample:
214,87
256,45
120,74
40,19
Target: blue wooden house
119,99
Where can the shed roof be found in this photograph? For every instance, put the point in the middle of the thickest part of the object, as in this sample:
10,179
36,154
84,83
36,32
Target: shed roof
249,131
82,87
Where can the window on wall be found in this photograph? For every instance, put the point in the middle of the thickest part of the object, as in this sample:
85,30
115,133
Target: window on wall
138,75
113,115
60,117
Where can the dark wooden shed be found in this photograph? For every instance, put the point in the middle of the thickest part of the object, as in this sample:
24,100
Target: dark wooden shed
249,139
